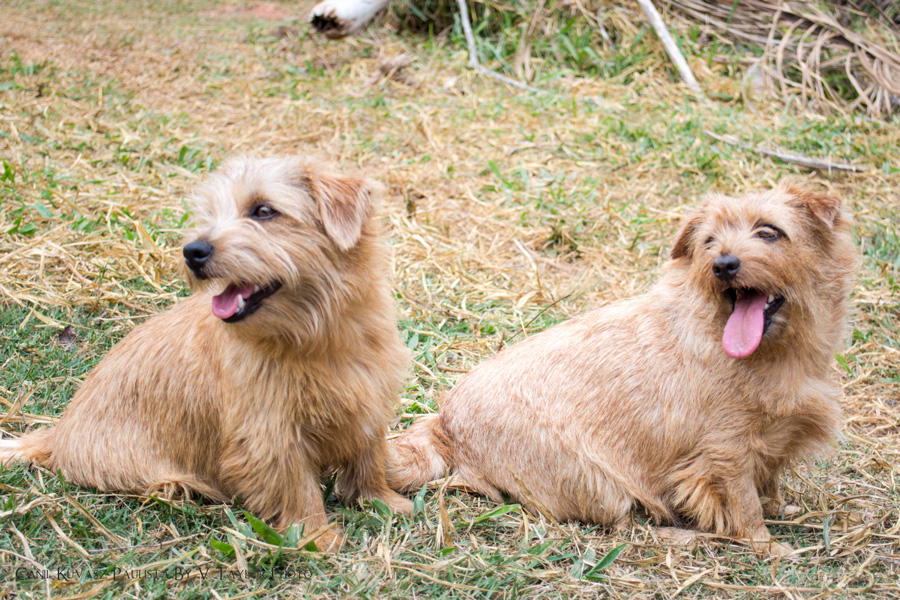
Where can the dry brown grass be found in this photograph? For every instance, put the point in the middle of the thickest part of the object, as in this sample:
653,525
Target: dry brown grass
507,212
840,55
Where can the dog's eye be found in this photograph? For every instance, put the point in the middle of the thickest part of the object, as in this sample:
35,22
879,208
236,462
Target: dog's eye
770,233
261,212
709,241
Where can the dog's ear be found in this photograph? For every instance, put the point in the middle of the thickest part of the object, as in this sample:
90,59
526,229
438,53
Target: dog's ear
685,238
345,203
824,207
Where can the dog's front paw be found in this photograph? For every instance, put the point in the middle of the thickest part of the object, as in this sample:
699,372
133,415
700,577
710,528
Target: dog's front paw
399,504
771,548
339,18
396,502
676,536
780,510
329,542
325,21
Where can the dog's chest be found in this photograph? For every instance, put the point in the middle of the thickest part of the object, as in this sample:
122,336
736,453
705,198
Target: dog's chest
314,399
796,425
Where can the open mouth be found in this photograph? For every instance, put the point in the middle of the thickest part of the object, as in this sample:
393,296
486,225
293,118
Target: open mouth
751,316
238,302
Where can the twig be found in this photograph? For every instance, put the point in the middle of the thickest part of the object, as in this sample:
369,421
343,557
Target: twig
24,508
453,369
603,33
20,557
792,157
597,19
17,405
671,47
473,53
545,309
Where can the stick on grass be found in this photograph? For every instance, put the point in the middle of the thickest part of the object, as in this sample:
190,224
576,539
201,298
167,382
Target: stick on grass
671,47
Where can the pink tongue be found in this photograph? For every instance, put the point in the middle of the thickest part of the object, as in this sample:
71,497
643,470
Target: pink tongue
744,328
225,305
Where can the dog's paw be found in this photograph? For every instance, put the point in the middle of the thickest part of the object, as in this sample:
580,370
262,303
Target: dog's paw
397,503
780,549
781,511
326,22
772,548
402,506
676,536
339,18
329,542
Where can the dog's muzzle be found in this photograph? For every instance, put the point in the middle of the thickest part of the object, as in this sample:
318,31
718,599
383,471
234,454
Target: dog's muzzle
196,255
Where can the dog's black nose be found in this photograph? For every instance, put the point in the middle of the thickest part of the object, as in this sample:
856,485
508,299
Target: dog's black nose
196,254
726,267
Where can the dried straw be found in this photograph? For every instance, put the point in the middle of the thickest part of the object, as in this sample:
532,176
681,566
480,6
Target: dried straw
830,56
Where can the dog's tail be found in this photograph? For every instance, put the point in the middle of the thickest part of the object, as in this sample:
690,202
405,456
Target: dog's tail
420,455
36,447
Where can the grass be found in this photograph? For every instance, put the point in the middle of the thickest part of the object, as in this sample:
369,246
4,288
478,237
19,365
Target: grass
507,212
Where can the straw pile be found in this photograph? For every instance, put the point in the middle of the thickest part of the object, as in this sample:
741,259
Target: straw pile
839,56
